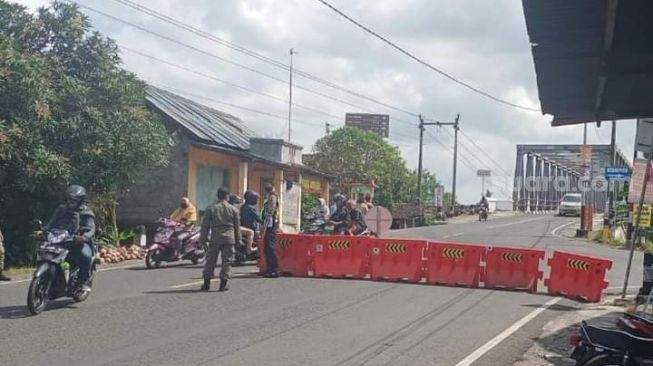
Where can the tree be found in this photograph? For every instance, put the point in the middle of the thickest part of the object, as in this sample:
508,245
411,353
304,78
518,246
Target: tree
355,156
68,114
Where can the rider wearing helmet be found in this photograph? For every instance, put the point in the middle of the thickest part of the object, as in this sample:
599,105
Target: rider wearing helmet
245,232
78,219
250,219
340,218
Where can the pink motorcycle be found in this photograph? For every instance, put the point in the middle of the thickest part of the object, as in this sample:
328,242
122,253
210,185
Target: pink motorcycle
173,242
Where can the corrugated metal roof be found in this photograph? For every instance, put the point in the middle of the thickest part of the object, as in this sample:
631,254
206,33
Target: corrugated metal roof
206,124
568,40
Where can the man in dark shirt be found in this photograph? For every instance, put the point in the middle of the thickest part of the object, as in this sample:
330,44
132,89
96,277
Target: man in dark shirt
222,221
270,218
340,218
357,219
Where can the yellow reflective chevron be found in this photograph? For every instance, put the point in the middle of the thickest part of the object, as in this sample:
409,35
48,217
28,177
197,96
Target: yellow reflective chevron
395,248
512,257
339,244
578,264
284,243
453,253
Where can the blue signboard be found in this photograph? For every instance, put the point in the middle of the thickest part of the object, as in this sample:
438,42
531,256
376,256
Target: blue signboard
616,172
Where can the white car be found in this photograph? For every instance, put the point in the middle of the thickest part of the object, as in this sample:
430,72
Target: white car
570,204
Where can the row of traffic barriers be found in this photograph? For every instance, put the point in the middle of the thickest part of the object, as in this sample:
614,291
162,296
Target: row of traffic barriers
441,263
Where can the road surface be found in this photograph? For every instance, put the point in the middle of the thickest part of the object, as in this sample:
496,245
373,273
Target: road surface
156,317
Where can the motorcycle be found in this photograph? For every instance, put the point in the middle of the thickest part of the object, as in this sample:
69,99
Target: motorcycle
626,342
174,242
242,255
317,225
49,280
482,214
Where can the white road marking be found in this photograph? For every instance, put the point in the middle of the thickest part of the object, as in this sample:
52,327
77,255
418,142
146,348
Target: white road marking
452,235
99,270
554,232
474,356
516,222
195,283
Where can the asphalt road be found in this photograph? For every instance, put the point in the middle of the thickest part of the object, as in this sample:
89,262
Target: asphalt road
156,317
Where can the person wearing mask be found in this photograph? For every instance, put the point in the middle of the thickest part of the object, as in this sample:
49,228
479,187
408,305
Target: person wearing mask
3,277
245,232
340,217
79,220
186,213
249,217
222,222
357,223
270,217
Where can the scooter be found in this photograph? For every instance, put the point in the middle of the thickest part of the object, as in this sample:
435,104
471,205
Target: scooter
626,342
316,225
49,280
242,255
482,214
174,242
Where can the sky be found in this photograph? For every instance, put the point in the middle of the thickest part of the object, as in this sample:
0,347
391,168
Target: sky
483,43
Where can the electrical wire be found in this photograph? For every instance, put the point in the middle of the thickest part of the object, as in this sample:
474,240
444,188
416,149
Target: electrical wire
496,164
246,51
428,65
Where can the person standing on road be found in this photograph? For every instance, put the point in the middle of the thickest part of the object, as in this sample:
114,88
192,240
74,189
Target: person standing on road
3,277
222,221
270,218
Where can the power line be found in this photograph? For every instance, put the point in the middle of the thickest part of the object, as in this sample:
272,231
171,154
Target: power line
238,48
226,82
496,164
428,65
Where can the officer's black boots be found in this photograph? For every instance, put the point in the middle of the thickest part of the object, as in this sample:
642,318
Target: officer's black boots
207,285
223,285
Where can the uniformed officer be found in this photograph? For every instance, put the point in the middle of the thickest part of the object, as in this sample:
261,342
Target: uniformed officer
222,221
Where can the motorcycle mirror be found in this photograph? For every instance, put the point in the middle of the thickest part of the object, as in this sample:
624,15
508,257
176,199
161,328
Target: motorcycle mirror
37,223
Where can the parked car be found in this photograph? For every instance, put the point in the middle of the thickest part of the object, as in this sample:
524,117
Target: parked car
570,205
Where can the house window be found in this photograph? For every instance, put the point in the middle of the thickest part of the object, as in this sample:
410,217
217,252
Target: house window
209,179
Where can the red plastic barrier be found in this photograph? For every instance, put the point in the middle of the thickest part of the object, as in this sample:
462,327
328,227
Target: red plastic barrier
454,264
577,276
512,268
396,259
294,254
340,256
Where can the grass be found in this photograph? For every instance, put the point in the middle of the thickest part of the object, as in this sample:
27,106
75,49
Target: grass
19,271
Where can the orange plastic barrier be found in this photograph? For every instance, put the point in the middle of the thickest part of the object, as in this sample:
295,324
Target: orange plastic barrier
512,268
396,259
577,276
340,256
454,264
294,254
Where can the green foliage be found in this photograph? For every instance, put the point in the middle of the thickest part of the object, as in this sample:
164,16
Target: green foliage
68,114
114,238
309,202
355,156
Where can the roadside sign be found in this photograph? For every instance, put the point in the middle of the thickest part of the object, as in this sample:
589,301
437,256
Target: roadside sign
646,215
586,158
376,123
439,196
616,172
379,219
637,183
483,173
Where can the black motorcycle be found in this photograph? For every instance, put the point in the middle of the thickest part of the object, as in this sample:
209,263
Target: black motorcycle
482,213
49,281
242,255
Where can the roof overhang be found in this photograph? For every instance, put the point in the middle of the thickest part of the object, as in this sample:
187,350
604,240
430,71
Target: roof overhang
593,58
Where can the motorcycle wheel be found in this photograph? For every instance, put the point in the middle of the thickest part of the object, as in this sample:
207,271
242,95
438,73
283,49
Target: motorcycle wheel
602,360
198,259
37,296
150,260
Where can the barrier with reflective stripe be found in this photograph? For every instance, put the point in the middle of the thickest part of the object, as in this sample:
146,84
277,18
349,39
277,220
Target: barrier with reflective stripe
577,276
340,256
453,264
512,268
294,254
397,259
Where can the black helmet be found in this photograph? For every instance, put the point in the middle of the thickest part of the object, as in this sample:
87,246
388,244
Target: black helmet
251,197
75,192
339,198
234,199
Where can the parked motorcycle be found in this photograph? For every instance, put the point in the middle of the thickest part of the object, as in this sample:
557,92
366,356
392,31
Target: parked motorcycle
626,342
49,281
316,225
174,242
482,214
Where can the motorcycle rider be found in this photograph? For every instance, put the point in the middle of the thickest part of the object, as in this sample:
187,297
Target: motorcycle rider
483,203
340,217
249,217
357,219
79,220
245,232
186,212
322,210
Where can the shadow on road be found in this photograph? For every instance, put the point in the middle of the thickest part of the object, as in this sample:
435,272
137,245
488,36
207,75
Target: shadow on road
20,311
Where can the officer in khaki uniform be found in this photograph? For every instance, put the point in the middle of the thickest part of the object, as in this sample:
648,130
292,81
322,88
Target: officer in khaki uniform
3,277
222,221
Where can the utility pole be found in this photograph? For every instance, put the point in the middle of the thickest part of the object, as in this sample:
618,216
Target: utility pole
455,155
292,52
455,162
327,128
613,160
